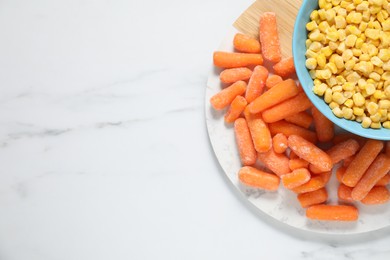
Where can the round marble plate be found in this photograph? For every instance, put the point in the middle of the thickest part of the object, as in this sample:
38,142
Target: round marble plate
281,205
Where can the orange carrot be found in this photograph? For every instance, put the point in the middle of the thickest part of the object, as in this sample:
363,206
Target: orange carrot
276,162
325,176
297,163
256,83
235,74
311,153
341,137
302,119
378,195
261,135
279,143
344,193
245,43
332,212
223,98
314,169
315,183
388,148
283,91
285,67
296,178
269,37
287,108
244,142
259,179
312,198
340,173
362,161
290,129
379,168
385,180
293,155
272,81
343,150
235,60
348,160
323,126
236,107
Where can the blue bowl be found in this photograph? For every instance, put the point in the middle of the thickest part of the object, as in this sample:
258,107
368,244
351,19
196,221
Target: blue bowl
299,50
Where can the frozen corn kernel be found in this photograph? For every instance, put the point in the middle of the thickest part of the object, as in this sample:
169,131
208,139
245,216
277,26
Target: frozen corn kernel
311,26
375,76
347,112
376,117
311,63
328,95
337,112
372,33
320,89
348,103
384,104
321,60
370,89
338,97
357,111
366,122
372,108
386,124
358,99
376,61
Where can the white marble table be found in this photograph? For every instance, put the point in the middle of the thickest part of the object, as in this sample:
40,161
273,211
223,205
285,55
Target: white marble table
104,152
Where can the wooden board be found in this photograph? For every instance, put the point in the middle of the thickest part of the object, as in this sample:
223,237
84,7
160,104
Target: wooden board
286,11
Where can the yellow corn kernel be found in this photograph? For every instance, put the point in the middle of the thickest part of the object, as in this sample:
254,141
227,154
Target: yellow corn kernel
363,6
386,25
338,60
316,35
378,70
313,74
349,64
359,42
342,34
387,91
385,40
338,98
376,2
356,52
366,122
357,111
330,14
372,108
310,26
362,83
348,103
376,61
311,63
375,125
308,43
332,67
378,94
364,57
380,17
353,78
337,112
327,51
366,15
341,80
372,33
348,86
375,76
356,2
348,94
350,40
320,89
342,11
311,54
333,105
380,85
314,15
336,2
350,7
363,26
358,99
386,66
347,55
370,89
333,45
332,36
376,43
384,104
337,88
352,29
375,9
322,4
328,95
347,112
376,117
315,46
323,26
384,55
372,50
323,74
321,60
331,81
340,22
386,124
317,82
359,119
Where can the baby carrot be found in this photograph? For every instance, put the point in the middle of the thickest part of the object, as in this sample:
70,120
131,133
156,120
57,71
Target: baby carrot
348,160
279,143
325,176
314,169
362,161
287,108
344,193
245,43
332,212
301,119
223,98
315,183
340,173
261,135
385,180
343,150
244,142
236,107
292,155
259,179
285,67
388,148
269,37
296,178
272,81
324,127
235,60
276,162
341,137
290,129
235,74
256,83
283,91
311,153
297,163
379,168
312,198
378,195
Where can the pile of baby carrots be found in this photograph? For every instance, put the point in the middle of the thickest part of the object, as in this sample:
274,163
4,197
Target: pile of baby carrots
279,133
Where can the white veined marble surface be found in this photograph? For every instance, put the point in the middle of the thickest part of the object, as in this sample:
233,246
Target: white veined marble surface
104,152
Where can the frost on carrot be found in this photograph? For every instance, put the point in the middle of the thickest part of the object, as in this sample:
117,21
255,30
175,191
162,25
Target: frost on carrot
313,198
245,43
236,107
229,76
332,212
276,162
256,83
296,178
285,67
223,98
244,142
258,179
236,60
269,37
279,143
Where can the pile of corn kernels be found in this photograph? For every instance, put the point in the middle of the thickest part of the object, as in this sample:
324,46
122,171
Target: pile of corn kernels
348,57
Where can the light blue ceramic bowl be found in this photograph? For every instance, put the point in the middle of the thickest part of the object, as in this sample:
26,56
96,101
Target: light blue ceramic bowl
299,49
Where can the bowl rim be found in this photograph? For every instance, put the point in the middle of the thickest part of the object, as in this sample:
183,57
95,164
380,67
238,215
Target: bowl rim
379,134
